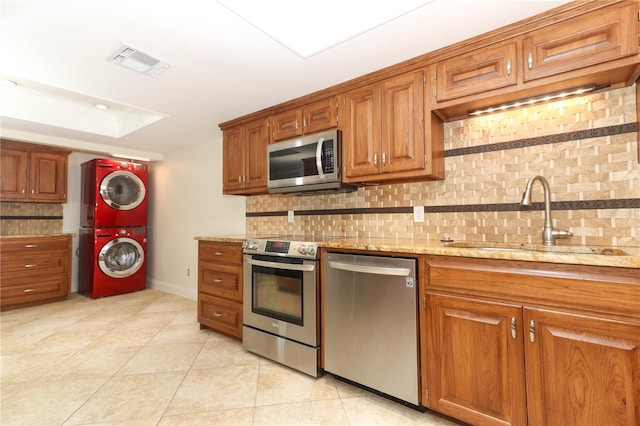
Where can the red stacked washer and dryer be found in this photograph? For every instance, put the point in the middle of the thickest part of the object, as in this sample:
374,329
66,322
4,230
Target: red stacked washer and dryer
113,233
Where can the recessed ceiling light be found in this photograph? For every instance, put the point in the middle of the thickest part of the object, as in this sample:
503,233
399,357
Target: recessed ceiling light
8,83
309,27
101,106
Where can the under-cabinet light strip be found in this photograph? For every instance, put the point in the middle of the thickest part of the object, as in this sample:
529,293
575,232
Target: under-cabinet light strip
537,99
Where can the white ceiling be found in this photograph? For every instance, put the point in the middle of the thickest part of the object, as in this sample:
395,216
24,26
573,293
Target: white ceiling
223,66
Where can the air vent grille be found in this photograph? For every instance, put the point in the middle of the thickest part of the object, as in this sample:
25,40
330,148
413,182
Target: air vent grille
138,61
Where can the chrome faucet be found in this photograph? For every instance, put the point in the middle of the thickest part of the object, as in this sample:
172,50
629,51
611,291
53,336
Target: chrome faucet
549,234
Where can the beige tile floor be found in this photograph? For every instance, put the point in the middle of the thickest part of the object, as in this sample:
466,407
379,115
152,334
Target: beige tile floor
141,359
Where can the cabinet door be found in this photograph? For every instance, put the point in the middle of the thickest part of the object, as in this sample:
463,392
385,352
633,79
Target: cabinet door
476,371
402,123
233,159
48,177
14,170
320,115
256,141
287,124
581,370
481,70
586,40
361,132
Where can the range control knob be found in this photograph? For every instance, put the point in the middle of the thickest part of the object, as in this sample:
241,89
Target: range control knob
302,249
250,245
311,251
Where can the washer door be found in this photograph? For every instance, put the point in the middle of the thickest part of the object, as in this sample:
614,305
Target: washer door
121,257
122,190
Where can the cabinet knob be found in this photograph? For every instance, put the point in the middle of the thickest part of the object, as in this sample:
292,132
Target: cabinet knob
384,159
530,60
218,253
513,327
217,314
217,280
375,159
508,66
28,290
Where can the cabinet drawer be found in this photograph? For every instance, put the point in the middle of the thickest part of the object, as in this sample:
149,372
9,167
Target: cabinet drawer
595,38
221,315
33,245
230,253
23,290
220,280
481,70
37,263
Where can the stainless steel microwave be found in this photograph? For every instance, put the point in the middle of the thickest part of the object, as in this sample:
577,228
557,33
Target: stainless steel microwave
310,163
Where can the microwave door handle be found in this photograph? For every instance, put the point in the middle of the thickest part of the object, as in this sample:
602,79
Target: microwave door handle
277,265
319,158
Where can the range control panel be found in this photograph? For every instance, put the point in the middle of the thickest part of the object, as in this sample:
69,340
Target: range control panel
301,249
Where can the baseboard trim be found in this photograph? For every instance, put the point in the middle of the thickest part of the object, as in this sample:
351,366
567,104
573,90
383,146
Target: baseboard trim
171,288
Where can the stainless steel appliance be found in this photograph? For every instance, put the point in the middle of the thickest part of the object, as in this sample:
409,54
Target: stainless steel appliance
370,322
280,298
310,163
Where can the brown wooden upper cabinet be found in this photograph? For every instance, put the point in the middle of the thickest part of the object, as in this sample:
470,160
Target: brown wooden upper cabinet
32,173
586,40
598,48
481,70
311,118
244,150
384,131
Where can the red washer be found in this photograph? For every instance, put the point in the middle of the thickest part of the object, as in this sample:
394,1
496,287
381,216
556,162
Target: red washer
114,193
112,261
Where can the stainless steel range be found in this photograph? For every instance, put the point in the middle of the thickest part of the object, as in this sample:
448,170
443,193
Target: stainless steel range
280,301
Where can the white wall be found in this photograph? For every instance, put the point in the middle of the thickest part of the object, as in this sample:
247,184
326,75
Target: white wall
185,201
71,210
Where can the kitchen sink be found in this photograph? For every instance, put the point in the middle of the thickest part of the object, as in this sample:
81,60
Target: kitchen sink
603,251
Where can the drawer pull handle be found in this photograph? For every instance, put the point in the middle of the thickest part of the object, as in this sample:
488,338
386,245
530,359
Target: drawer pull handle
30,245
217,314
218,253
513,327
30,265
28,290
217,280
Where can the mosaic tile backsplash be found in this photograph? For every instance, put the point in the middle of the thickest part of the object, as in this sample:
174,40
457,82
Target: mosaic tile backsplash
30,219
586,147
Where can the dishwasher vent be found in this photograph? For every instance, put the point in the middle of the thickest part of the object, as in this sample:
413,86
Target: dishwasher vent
133,59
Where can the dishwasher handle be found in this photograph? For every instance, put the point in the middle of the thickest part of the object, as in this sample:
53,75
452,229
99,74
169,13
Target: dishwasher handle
378,270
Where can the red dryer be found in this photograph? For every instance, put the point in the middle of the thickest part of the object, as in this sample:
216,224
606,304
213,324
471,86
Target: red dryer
112,261
114,193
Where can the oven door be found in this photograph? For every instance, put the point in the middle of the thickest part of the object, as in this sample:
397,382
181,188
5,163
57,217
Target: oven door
280,297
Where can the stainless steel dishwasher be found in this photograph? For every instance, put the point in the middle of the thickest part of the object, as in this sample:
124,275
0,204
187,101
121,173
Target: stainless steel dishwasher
370,322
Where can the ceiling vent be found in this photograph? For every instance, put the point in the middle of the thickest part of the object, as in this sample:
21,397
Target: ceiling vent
132,58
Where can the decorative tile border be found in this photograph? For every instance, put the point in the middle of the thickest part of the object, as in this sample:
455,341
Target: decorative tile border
545,140
631,203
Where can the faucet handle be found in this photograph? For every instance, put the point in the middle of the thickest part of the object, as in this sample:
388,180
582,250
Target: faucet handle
561,233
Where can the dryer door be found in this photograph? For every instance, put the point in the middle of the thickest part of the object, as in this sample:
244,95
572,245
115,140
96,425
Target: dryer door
121,257
122,190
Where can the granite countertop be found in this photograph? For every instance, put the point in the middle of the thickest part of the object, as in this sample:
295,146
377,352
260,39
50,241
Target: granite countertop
60,234
622,257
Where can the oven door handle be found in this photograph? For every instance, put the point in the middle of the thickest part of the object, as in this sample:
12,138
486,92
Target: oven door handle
378,270
278,265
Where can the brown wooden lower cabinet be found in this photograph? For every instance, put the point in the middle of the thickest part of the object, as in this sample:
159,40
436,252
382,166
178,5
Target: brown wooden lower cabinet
494,359
220,287
34,270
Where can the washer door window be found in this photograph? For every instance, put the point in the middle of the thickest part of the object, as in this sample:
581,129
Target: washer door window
122,190
121,258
